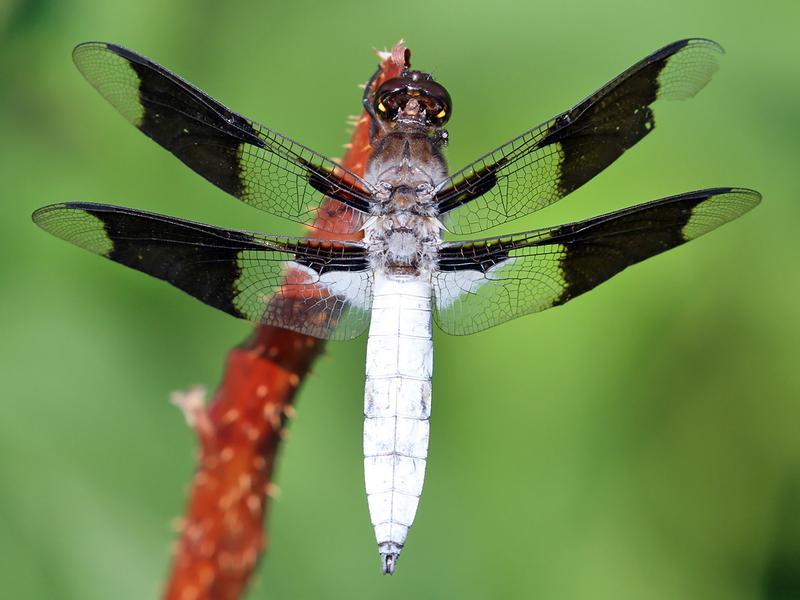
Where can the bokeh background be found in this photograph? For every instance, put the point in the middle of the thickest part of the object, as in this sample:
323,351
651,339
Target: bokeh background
641,443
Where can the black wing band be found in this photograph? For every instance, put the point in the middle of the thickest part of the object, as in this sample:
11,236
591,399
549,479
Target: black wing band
546,163
249,161
483,283
319,288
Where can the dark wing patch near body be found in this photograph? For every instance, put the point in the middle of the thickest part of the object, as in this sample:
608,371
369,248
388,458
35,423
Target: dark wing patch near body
245,159
472,185
329,184
483,283
546,163
202,133
315,287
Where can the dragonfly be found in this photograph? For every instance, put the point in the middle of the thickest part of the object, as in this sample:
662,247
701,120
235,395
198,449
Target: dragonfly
401,275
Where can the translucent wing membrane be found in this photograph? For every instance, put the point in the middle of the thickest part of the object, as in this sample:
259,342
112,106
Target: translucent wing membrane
318,288
249,161
547,162
479,284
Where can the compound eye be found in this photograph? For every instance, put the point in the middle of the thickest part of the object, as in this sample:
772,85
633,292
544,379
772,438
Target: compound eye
386,107
438,119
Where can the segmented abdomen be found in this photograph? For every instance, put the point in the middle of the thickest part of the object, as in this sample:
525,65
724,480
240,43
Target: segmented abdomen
397,407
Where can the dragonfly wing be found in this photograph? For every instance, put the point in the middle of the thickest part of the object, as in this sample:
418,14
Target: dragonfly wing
319,288
245,159
546,163
482,283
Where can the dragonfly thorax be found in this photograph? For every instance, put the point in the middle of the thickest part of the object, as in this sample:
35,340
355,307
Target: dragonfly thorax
402,242
404,228
405,158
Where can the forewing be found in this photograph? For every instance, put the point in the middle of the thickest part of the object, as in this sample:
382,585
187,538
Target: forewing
546,163
249,161
483,283
319,288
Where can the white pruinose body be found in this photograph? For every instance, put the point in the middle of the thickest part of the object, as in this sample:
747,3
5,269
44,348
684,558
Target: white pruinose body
402,237
397,406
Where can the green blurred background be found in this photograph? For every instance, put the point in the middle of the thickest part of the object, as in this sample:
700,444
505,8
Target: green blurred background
642,443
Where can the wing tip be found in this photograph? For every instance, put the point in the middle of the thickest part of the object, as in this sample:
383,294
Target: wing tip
40,214
674,48
706,42
84,49
690,64
751,197
43,216
748,198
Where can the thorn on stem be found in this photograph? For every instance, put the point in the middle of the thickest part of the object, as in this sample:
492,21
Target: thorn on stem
191,403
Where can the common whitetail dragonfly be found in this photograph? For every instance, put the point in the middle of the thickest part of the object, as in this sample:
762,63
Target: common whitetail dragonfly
401,275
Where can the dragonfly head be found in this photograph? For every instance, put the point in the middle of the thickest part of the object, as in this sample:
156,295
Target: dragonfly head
414,98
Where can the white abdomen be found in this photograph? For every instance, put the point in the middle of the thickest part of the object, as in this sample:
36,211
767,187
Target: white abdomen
397,407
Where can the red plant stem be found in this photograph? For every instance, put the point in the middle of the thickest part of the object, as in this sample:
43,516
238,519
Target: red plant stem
239,432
